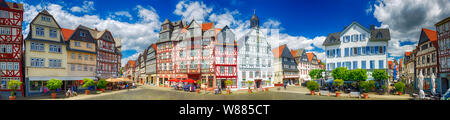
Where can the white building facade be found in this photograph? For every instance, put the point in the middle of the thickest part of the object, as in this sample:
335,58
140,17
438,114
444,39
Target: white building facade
357,47
255,58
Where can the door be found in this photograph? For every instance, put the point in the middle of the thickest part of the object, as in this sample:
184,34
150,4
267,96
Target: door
444,85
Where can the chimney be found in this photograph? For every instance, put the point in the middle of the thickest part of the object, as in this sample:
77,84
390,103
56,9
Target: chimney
372,27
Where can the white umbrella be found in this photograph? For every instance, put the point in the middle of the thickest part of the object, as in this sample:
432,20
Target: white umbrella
433,83
421,93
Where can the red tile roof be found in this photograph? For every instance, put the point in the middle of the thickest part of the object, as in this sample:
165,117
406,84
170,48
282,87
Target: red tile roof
432,35
310,56
390,64
207,26
154,46
278,51
294,52
407,53
67,33
132,63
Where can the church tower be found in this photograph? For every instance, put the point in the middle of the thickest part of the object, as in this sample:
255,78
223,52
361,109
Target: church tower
254,22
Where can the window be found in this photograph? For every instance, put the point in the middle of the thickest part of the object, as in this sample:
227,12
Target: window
3,65
338,52
363,64
355,64
78,44
86,57
16,66
5,31
36,46
359,51
53,33
83,34
72,67
372,64
55,48
9,49
37,62
355,51
40,31
79,56
4,14
230,70
79,68
368,50
89,45
381,64
338,64
346,52
10,65
54,63
74,56
45,18
85,68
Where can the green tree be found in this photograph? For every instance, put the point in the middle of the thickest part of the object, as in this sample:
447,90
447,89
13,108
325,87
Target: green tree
54,84
399,86
379,75
312,85
102,84
88,83
340,73
359,74
14,85
316,74
338,83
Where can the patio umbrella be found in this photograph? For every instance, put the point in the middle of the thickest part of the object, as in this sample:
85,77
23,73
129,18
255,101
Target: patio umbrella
174,80
433,84
189,81
421,93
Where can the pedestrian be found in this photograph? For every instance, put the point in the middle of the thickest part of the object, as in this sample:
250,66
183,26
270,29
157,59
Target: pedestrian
127,87
133,86
284,85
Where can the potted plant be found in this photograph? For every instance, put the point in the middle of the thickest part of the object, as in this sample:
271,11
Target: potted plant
101,85
366,88
228,83
54,84
199,82
249,85
88,83
13,85
338,83
399,87
312,86
268,84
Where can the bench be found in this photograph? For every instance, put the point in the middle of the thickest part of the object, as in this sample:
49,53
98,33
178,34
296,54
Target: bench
324,92
357,94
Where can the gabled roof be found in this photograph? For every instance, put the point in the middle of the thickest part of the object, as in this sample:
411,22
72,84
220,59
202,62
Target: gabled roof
432,35
131,63
385,35
207,26
428,35
332,38
353,24
67,33
278,51
443,21
310,56
294,52
408,53
11,5
45,12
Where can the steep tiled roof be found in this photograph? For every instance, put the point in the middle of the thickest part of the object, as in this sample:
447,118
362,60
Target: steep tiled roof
294,52
385,35
132,63
278,51
207,26
431,34
310,56
67,33
333,38
390,65
408,53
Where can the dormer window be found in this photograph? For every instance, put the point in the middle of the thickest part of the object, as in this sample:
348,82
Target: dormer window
82,34
379,35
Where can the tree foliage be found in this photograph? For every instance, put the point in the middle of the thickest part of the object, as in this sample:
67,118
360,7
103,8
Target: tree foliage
399,86
359,75
379,75
316,74
54,84
312,85
341,73
102,84
88,83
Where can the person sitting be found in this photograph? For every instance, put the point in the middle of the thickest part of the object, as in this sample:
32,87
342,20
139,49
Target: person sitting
69,93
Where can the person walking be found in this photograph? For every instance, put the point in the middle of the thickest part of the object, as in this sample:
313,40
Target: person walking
284,85
127,87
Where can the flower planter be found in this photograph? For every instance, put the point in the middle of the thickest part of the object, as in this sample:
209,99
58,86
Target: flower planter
12,97
249,90
198,91
53,95
312,92
267,89
228,91
338,94
103,90
366,95
399,93
87,92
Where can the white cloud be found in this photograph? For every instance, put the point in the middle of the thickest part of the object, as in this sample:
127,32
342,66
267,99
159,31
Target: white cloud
87,7
405,18
135,36
192,10
124,13
227,18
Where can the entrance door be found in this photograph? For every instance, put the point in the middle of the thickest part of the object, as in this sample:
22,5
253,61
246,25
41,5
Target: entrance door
444,85
258,83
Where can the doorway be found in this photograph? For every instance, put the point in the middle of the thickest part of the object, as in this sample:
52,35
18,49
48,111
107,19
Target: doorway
258,83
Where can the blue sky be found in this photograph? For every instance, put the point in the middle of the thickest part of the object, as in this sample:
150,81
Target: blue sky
304,23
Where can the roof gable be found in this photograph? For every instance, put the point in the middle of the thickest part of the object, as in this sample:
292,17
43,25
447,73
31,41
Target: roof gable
428,35
46,13
354,24
67,33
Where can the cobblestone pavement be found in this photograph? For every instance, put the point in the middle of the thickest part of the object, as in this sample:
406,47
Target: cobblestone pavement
158,93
